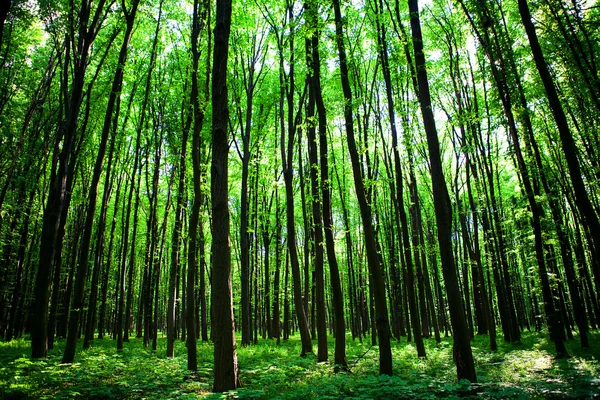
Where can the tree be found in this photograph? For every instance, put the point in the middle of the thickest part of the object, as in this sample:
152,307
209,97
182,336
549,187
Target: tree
382,322
199,114
78,48
78,302
226,367
582,199
463,356
287,91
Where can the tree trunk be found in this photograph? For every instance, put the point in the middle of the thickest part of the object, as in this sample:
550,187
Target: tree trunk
104,289
317,228
336,286
192,264
176,240
463,355
287,91
78,300
58,178
382,321
399,184
582,199
225,356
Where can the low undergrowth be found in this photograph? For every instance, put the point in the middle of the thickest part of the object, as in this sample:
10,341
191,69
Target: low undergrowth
271,371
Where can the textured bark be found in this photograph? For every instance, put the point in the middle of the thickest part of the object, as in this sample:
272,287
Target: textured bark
225,356
192,264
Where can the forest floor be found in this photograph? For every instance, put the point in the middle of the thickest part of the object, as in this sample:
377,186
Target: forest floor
271,371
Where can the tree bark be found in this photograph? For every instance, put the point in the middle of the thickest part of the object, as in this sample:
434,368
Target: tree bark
287,155
225,356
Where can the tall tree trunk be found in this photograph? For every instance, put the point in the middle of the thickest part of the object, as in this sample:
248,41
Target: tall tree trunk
60,166
78,300
317,219
375,269
120,317
276,321
225,355
399,184
287,84
463,355
176,240
192,264
266,238
249,78
244,229
336,285
104,288
100,233
58,252
582,199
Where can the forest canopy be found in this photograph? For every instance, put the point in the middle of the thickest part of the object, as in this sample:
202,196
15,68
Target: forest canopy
324,171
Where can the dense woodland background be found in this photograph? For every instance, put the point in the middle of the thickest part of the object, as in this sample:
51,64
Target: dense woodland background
398,171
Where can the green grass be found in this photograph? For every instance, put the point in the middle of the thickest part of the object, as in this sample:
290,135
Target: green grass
270,371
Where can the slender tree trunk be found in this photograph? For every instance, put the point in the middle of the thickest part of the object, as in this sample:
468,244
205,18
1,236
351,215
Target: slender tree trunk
120,318
582,199
287,156
317,228
244,234
60,166
192,265
176,240
266,237
78,300
276,327
100,233
104,289
399,184
286,299
463,355
336,286
382,320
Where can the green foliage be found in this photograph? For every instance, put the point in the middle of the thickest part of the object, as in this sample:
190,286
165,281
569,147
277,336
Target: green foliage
270,371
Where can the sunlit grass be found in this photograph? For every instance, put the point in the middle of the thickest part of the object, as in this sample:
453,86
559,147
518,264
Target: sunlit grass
271,371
